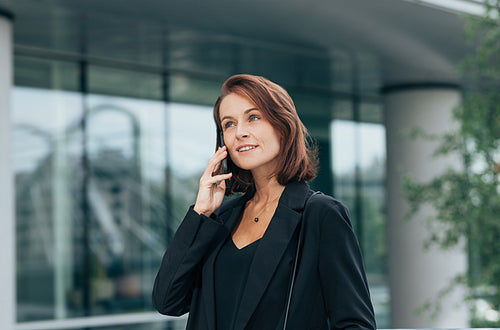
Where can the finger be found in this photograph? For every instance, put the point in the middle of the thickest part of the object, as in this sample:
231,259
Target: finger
219,155
222,185
217,168
218,178
214,162
209,181
216,156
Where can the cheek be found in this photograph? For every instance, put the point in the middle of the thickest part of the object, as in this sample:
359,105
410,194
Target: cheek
277,141
227,137
230,144
232,153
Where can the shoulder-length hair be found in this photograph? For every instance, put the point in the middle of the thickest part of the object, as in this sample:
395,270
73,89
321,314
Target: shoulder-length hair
298,157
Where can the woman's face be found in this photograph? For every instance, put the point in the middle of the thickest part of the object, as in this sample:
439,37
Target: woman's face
251,140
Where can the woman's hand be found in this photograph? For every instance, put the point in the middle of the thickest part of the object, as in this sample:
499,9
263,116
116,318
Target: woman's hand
212,185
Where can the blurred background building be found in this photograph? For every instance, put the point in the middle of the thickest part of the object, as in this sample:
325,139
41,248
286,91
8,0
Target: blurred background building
106,127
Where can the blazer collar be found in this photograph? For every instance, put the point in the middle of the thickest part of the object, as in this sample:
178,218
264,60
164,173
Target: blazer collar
295,195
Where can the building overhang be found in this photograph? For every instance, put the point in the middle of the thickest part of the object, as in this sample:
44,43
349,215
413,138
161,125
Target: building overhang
413,43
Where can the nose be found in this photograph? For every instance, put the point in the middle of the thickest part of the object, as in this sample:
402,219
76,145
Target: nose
242,131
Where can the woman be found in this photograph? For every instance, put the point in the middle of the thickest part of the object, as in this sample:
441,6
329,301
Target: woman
231,264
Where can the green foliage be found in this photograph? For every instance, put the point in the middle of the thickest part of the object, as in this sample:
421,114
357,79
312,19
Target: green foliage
467,197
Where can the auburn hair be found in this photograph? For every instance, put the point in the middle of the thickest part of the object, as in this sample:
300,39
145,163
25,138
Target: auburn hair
298,156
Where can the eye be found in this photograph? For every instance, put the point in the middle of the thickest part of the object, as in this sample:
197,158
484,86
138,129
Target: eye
254,117
228,124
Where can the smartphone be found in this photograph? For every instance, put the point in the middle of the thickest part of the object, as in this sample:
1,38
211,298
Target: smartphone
224,166
221,144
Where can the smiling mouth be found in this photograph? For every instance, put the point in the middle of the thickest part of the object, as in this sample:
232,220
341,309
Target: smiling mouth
246,148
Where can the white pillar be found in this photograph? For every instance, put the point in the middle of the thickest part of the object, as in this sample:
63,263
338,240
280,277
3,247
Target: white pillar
7,232
417,275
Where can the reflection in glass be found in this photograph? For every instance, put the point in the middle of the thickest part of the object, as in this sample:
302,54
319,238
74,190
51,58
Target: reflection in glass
38,73
137,39
275,64
46,156
125,193
343,137
358,158
111,81
372,199
189,153
193,50
127,212
186,89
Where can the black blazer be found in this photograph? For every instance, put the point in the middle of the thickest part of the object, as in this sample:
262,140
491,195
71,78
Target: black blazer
330,290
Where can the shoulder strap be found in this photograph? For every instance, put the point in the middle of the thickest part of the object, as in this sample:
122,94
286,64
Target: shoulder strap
294,271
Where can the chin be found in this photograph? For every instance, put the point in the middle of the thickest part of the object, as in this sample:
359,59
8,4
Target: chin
246,166
251,164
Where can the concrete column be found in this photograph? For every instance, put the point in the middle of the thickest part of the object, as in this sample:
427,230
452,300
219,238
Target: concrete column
7,232
417,275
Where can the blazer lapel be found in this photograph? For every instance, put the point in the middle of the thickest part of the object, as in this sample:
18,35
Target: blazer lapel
271,248
229,218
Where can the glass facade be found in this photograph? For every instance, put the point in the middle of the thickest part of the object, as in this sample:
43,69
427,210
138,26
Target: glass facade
108,151
358,159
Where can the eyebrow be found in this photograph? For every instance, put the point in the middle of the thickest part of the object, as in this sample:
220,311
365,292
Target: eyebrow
245,112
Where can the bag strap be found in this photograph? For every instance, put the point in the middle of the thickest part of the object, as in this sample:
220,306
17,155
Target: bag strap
294,271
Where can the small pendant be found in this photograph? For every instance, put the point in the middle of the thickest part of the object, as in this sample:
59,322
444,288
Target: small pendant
256,219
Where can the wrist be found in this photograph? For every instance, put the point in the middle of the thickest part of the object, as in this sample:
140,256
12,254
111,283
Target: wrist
201,211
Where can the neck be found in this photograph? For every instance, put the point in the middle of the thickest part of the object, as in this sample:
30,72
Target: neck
266,189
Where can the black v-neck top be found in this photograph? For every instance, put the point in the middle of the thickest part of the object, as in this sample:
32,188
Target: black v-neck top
231,272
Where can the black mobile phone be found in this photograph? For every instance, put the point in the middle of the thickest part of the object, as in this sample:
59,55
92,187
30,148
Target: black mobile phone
221,144
224,161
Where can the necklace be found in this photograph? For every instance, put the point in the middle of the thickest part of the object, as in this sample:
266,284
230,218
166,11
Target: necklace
256,219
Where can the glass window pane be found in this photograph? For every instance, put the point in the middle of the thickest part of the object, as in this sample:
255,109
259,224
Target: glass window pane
188,153
30,72
188,89
343,153
127,219
371,113
110,81
46,161
369,75
314,110
200,52
358,158
344,138
314,72
278,65
341,68
372,200
372,177
343,109
47,27
372,155
137,40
